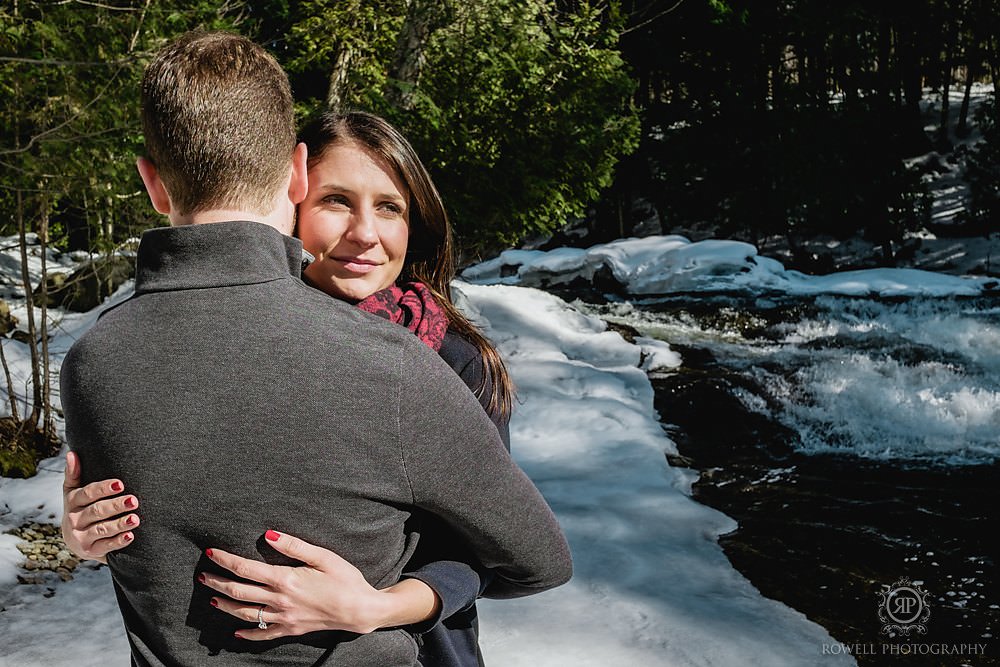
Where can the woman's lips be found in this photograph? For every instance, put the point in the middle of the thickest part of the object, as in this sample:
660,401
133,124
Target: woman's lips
356,264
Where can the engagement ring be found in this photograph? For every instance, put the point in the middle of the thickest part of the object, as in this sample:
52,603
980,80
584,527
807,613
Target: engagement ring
260,619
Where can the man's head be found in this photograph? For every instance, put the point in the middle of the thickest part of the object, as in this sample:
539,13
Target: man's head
219,127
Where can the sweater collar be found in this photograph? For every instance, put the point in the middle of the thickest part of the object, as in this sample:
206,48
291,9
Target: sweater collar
217,254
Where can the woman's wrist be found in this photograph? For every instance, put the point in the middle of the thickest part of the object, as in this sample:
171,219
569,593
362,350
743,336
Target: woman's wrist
407,602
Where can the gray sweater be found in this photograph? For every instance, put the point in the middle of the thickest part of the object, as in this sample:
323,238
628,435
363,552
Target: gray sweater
232,398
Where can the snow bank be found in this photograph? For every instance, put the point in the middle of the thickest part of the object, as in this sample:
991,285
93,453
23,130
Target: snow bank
667,264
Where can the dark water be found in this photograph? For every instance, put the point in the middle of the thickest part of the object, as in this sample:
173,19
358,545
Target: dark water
826,529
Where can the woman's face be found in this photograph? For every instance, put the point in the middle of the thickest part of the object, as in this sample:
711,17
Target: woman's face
355,221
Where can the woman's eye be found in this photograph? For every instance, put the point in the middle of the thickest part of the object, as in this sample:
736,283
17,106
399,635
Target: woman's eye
339,200
394,209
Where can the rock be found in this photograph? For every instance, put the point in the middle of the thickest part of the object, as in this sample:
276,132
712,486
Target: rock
86,288
7,321
44,549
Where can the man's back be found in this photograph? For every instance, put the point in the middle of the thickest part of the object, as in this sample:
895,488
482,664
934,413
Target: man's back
233,399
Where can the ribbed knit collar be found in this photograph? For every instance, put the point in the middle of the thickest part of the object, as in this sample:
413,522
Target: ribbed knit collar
216,254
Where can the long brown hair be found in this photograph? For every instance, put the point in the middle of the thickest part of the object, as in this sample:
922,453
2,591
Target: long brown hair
430,257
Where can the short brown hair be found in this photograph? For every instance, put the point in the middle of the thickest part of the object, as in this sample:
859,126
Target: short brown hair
430,256
219,123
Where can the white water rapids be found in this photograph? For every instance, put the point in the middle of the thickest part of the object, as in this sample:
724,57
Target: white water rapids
915,380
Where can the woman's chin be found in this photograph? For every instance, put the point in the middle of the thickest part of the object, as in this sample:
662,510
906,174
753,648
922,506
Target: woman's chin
351,292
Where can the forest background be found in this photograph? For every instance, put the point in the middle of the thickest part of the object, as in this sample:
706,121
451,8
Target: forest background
748,118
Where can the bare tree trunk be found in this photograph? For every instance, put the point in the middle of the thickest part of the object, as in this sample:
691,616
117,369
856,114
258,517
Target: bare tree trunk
884,71
963,115
994,45
943,140
36,387
43,240
338,78
951,31
109,224
973,61
423,17
11,396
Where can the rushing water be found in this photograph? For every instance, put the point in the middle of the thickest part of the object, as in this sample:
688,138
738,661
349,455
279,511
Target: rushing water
913,380
856,441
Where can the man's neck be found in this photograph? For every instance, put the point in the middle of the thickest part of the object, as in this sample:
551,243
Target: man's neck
277,219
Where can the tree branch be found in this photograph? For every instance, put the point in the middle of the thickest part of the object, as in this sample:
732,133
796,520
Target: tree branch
69,63
653,18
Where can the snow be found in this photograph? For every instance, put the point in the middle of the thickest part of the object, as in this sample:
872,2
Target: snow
672,263
946,183
652,586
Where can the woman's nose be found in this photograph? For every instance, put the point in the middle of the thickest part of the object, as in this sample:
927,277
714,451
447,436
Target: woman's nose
363,230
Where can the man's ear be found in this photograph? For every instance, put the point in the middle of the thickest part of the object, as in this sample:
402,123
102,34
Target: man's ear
154,186
298,186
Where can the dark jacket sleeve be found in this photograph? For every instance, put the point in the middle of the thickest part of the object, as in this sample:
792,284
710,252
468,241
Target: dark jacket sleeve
460,471
440,561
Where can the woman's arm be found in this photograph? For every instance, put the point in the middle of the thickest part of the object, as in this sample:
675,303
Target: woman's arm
327,593
97,518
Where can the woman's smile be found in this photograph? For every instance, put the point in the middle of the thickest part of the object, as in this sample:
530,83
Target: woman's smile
357,264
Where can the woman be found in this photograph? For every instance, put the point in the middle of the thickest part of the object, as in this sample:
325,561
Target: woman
380,236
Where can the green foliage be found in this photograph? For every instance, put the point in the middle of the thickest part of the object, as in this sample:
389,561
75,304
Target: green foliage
69,112
22,447
520,113
527,132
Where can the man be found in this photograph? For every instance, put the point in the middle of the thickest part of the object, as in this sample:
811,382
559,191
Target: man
233,399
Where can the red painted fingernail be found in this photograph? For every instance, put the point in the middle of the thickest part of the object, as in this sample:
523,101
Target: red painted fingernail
128,537
208,552
201,577
238,635
272,536
130,503
215,603
116,486
132,520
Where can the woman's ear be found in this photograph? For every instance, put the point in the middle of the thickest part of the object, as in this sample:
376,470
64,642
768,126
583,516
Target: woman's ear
157,192
298,186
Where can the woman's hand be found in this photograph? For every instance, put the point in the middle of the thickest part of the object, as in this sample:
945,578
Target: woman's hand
96,518
328,593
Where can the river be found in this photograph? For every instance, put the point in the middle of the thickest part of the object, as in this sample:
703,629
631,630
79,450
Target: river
856,441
